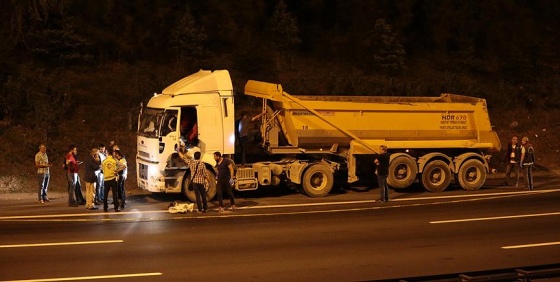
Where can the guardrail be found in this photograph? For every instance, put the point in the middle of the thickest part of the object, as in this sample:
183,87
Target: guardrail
521,274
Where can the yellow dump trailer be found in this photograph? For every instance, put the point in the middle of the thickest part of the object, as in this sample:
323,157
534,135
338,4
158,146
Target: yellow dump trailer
430,138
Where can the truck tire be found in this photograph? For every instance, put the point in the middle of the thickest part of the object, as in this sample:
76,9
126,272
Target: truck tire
317,181
472,175
436,176
210,181
402,172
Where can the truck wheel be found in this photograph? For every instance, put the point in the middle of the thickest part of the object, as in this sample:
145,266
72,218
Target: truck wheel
317,181
472,175
210,182
402,172
436,176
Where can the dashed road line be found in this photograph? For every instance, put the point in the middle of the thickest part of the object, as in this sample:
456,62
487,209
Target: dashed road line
494,218
130,275
531,245
61,244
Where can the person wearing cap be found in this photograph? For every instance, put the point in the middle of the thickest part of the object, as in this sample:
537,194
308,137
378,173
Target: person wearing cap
382,171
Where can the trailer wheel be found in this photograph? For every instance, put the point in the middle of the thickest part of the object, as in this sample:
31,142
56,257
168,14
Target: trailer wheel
472,175
317,181
436,176
210,183
402,172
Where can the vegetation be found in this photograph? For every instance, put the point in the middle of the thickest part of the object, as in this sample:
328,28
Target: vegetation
76,71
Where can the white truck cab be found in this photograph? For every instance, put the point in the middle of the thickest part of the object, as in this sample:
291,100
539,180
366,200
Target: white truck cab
196,112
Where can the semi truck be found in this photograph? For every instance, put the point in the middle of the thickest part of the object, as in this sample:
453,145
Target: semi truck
309,140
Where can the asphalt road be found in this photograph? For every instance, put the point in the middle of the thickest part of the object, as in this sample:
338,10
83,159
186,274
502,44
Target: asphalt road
280,236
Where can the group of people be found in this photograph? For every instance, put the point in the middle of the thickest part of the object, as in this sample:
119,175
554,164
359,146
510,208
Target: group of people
519,156
198,176
104,170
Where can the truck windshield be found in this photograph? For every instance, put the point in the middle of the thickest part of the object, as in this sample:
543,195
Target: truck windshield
149,122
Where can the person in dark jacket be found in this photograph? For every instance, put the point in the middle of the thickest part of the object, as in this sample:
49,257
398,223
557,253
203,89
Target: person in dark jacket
382,171
513,161
92,164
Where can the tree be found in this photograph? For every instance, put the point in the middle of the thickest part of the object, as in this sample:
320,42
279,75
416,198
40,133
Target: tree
188,39
383,51
285,33
45,31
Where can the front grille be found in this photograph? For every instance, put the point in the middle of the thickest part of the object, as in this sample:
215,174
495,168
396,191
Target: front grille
245,173
143,171
144,154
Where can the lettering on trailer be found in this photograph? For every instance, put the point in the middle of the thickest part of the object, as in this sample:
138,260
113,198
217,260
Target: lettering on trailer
454,122
308,113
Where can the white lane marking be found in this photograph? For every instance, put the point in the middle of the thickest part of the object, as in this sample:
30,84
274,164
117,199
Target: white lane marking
78,214
402,199
61,244
456,199
495,217
93,277
531,245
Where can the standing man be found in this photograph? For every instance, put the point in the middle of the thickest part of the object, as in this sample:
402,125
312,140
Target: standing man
43,165
92,165
244,130
513,160
528,161
224,168
99,174
110,172
72,167
382,171
198,178
122,169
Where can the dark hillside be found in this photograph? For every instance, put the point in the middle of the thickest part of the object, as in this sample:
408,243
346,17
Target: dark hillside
76,71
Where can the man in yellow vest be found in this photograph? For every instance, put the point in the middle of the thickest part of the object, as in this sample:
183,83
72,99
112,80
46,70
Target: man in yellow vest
110,171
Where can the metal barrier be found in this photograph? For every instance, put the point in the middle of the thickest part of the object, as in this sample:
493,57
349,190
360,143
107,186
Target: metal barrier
521,274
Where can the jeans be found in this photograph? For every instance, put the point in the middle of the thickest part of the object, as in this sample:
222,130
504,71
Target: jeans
528,171
100,187
200,192
79,196
43,179
515,167
120,186
111,184
383,188
72,179
223,184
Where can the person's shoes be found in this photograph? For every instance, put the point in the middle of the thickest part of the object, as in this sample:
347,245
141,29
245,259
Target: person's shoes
98,203
233,208
204,210
516,185
105,210
122,207
220,209
117,210
93,208
72,205
46,200
41,202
